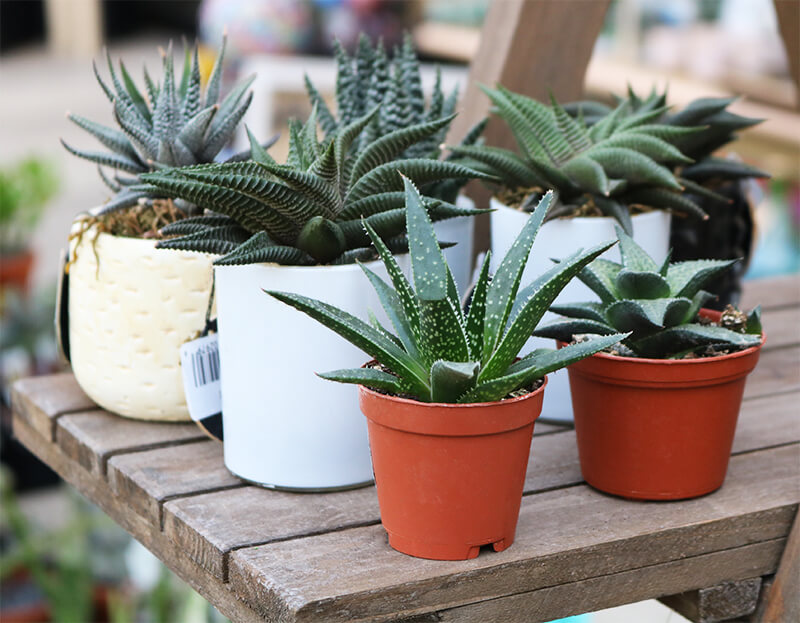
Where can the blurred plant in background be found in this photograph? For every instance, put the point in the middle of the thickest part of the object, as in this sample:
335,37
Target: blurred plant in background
25,189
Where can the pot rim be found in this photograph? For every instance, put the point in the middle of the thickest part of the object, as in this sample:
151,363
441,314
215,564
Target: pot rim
499,205
305,269
448,405
678,362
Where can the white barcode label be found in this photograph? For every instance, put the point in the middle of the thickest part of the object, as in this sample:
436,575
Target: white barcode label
201,371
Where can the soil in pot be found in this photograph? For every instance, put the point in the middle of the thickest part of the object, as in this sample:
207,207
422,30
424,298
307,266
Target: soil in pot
449,477
656,429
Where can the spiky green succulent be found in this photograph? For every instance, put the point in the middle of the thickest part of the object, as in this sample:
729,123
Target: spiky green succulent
439,351
310,210
162,126
657,304
606,165
371,78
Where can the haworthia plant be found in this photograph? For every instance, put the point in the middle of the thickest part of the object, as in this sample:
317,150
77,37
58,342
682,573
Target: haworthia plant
310,210
372,78
440,352
162,125
604,164
657,304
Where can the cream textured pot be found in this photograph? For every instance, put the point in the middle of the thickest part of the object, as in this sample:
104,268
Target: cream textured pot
285,427
128,317
558,239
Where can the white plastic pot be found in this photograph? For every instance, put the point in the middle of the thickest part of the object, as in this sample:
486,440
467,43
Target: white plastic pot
558,239
460,231
128,317
284,427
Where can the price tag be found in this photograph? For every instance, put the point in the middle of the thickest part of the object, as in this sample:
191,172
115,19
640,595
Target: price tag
201,385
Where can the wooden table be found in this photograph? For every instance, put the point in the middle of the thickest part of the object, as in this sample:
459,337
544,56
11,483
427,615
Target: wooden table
267,555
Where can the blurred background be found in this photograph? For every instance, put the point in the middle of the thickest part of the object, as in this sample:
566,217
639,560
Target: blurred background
63,560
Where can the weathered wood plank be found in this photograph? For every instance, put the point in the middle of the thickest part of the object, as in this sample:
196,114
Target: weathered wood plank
209,526
714,604
91,438
97,490
771,293
777,371
147,479
783,598
562,536
781,326
40,400
620,588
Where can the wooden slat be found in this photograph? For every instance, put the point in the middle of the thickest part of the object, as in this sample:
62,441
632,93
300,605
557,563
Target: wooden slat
783,598
148,479
777,371
91,438
782,327
209,526
714,604
620,588
563,536
771,293
97,490
42,399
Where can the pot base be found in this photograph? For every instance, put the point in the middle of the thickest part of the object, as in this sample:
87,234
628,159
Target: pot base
357,485
659,496
445,551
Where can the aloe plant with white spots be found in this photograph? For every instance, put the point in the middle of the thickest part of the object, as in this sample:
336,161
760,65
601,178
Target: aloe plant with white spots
657,304
162,125
439,351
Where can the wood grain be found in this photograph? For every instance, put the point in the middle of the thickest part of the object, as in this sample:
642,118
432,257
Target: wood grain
562,536
97,490
782,327
209,526
148,479
719,603
40,400
778,370
783,598
771,293
620,588
91,438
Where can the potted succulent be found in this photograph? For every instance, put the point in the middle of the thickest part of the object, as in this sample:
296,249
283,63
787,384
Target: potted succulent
25,189
300,226
632,165
655,418
131,305
719,186
449,405
370,78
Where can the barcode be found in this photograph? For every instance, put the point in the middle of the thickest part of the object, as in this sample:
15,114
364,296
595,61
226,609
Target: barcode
205,365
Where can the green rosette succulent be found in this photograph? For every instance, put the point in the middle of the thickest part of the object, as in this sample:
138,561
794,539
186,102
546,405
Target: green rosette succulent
658,305
439,351
371,78
310,210
167,125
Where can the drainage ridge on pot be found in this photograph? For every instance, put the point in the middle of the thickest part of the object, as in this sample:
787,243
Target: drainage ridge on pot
449,477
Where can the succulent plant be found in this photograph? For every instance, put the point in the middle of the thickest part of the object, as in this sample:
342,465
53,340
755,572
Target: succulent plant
164,126
658,305
310,210
439,351
370,78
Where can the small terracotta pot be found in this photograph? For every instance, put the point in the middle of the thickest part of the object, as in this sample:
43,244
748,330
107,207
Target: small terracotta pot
449,477
15,270
658,429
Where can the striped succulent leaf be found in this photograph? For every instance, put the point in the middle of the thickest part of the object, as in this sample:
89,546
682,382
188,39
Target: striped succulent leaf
657,305
167,125
320,201
439,352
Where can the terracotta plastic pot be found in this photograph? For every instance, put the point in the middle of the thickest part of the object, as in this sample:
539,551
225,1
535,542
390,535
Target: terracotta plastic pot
449,477
15,270
658,429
